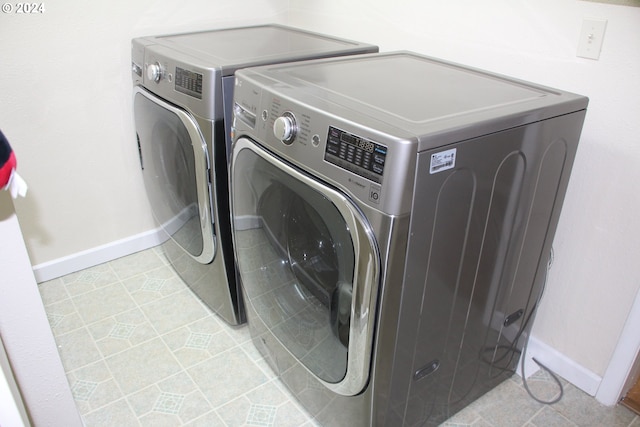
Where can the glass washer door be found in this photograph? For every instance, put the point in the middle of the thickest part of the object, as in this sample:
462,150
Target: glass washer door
309,265
175,168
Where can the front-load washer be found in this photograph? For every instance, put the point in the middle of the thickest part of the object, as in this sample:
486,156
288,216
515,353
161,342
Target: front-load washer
393,217
183,90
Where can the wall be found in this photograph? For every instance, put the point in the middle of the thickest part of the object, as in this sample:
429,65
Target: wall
594,278
66,109
25,333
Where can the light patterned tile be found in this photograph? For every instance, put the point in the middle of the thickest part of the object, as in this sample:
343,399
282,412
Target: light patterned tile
158,419
104,302
234,413
82,390
181,383
508,406
89,279
142,401
254,405
548,417
226,376
121,332
188,402
55,320
135,264
210,419
240,334
194,406
109,344
153,285
142,365
198,341
250,349
265,406
115,414
174,311
52,291
77,349
290,414
63,317
93,387
168,403
160,252
584,410
261,415
466,417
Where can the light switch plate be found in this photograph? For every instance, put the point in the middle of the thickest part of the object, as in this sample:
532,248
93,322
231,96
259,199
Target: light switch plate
591,38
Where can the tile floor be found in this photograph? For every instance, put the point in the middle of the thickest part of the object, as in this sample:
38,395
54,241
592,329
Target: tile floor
139,349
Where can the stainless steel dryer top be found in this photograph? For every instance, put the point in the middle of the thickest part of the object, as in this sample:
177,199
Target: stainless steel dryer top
189,68
234,48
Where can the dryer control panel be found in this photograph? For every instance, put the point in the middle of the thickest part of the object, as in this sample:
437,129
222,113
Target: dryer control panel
356,154
367,163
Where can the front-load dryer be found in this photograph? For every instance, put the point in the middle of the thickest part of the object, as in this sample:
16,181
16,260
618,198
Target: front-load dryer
393,217
183,90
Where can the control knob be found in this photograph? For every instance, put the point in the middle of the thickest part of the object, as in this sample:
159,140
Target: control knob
155,72
285,128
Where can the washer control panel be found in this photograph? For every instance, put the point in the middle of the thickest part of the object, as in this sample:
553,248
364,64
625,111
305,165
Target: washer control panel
189,82
356,154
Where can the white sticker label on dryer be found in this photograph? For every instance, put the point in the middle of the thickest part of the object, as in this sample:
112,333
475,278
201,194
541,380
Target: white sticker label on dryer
442,161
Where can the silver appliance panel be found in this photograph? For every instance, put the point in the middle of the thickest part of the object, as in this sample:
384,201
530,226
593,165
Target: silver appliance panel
414,96
193,73
234,48
470,197
256,108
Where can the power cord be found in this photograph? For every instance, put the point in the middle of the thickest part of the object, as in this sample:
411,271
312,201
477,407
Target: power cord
524,354
549,371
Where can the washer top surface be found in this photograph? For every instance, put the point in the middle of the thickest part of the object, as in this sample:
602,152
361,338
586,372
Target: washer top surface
415,93
413,88
233,48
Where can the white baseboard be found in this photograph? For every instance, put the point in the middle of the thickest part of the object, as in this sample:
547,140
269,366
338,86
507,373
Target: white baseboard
560,364
625,362
59,267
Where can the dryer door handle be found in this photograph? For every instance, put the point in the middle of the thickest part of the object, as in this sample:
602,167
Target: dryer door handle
341,312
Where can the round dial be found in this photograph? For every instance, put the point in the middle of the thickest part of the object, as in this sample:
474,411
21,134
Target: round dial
154,72
285,129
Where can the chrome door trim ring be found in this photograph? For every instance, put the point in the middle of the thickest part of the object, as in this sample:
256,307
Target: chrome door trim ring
202,163
366,274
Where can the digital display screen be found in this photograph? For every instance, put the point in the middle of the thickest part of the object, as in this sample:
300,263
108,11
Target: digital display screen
358,142
189,82
356,154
